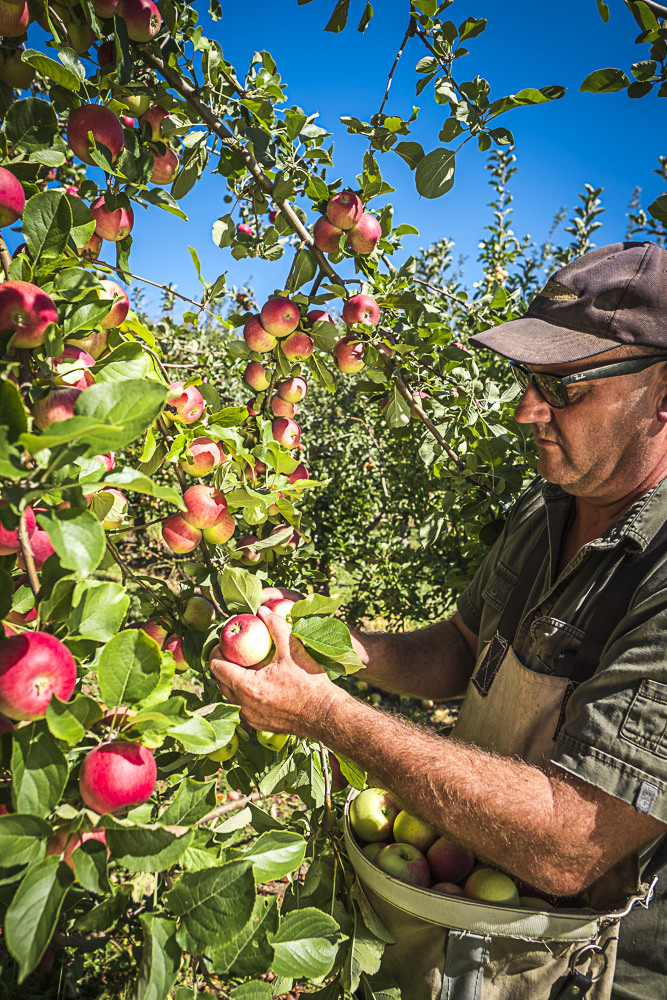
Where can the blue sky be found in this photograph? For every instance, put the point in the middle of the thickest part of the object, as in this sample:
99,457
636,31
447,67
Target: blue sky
609,141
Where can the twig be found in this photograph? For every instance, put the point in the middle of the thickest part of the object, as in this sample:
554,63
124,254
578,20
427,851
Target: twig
326,816
229,807
5,257
127,572
408,34
28,558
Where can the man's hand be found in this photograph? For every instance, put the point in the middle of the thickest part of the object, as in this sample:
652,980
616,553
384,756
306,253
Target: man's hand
291,694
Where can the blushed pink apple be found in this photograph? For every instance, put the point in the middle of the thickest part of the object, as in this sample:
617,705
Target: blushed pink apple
184,403
246,547
256,376
58,405
289,544
108,460
12,198
165,167
279,606
245,640
153,118
286,432
92,249
155,629
128,121
348,355
448,861
73,366
102,123
256,336
180,536
405,862
244,229
142,18
202,456
120,303
205,506
95,343
117,775
372,814
14,18
33,667
9,540
198,613
292,390
361,309
492,886
111,224
280,408
365,236
318,316
297,347
220,532
345,209
410,829
41,548
301,472
174,645
27,311
279,316
275,593
326,236
111,507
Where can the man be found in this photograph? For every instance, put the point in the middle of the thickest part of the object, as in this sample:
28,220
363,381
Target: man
556,777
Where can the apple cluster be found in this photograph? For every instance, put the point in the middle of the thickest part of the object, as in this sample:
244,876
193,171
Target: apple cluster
411,850
345,216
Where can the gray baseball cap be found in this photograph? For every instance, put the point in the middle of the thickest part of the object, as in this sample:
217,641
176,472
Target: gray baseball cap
611,296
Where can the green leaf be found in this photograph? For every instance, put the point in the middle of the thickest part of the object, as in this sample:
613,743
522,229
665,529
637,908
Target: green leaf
78,538
125,361
130,479
605,81
434,175
147,849
160,959
338,18
53,70
213,905
328,641
192,801
249,954
471,28
47,221
39,770
22,839
304,270
411,152
33,912
129,668
132,406
274,854
31,124
241,591
98,610
305,944
658,209
69,720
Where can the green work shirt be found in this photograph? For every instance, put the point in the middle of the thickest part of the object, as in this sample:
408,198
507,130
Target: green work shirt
614,732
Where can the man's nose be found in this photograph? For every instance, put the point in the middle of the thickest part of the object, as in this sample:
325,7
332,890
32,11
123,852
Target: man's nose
532,408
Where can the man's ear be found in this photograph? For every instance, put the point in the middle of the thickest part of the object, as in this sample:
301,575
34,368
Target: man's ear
662,394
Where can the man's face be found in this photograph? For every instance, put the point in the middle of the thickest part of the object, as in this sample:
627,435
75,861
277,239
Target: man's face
604,444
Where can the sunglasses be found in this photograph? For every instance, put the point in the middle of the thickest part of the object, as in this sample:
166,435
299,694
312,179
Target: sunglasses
553,388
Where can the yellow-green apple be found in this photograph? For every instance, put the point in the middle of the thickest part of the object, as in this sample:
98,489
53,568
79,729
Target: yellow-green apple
174,645
279,316
12,198
256,376
72,367
111,224
164,167
202,455
301,472
81,35
9,540
256,336
58,405
102,123
298,346
492,886
405,862
361,309
184,403
410,829
180,536
226,752
372,814
345,209
33,667
137,101
326,236
365,236
220,532
117,775
272,741
286,432
120,304
198,613
448,888
95,343
245,640
27,311
14,72
535,903
204,506
142,18
449,862
41,548
14,18
348,354
279,408
110,506
246,547
372,851
292,390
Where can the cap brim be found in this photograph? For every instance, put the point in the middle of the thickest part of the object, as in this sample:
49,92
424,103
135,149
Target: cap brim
536,342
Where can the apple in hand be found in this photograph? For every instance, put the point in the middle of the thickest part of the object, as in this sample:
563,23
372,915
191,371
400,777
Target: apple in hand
226,752
372,814
279,606
280,593
272,741
245,640
104,126
27,310
12,198
279,316
448,861
491,886
117,775
405,862
33,667
412,830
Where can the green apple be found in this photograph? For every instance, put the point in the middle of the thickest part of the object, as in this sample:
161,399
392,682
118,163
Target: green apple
272,741
372,814
405,862
226,752
491,886
411,830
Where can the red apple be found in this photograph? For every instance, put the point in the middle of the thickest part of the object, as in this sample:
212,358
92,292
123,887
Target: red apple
297,347
12,198
184,403
256,336
205,506
202,456
72,367
28,311
361,309
128,122
449,862
106,54
9,540
41,548
405,862
244,229
286,432
164,167
58,405
345,209
448,888
14,18
280,408
279,316
290,543
120,303
256,376
372,814
111,225
275,593
111,507
94,343
326,236
155,629
142,18
364,237
105,127
249,554
91,250
318,316
65,844
220,532
174,645
117,775
33,667
245,640
292,390
410,829
108,461
492,886
105,8
301,472
153,118
279,606
198,613
348,354
179,535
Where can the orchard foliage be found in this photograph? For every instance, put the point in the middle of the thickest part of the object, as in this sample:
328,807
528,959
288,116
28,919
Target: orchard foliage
152,489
